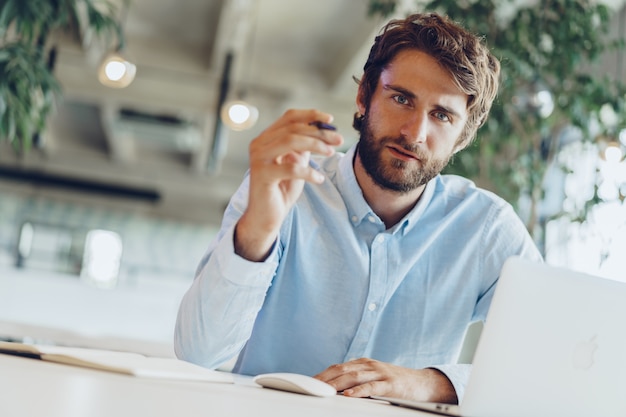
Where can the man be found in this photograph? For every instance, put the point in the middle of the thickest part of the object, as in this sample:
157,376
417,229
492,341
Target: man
365,268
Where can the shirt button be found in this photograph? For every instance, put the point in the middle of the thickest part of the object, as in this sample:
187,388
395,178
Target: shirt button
372,307
371,219
355,219
380,238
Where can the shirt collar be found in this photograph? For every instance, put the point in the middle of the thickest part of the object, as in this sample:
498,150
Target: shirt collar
358,209
349,188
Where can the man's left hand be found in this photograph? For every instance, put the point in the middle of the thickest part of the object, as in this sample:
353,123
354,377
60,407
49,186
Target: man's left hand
366,377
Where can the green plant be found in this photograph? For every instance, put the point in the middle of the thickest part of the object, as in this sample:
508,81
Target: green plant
27,83
548,46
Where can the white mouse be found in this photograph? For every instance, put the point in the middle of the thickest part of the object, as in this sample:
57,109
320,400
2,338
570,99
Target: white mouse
301,384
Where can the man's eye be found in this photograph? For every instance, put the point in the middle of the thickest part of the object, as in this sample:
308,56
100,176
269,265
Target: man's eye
442,116
401,99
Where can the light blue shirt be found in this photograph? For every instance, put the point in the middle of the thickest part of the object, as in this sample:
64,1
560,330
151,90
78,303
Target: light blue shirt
338,285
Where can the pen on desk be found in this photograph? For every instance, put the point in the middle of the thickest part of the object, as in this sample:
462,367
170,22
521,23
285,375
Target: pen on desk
322,125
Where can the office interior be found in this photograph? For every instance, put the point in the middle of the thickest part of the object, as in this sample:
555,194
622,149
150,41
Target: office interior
104,219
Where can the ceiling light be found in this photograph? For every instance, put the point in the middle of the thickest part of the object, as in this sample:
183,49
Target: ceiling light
116,71
239,115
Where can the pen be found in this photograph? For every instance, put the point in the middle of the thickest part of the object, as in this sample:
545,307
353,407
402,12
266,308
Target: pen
322,125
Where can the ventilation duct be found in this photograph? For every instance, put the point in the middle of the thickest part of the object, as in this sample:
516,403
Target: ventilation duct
160,131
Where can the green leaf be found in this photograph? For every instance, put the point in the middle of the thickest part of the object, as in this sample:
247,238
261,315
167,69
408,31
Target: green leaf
27,87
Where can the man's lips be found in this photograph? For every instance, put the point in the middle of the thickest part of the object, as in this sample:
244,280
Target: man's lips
401,153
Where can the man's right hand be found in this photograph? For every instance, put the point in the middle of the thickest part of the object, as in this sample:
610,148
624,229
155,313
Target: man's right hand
279,166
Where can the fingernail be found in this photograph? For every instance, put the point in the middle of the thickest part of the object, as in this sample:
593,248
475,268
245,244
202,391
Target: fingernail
318,177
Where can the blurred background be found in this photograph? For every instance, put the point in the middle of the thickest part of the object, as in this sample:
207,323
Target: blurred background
113,179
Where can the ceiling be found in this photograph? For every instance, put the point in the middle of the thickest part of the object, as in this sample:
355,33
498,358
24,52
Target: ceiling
151,147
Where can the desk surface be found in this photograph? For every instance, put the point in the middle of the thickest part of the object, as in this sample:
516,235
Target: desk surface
30,387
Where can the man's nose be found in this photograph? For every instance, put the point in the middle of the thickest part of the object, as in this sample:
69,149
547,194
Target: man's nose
415,128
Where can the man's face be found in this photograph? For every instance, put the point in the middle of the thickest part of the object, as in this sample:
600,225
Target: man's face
413,123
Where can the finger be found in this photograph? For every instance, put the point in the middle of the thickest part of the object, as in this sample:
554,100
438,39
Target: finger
282,142
339,369
303,116
290,169
310,122
350,374
300,158
322,125
368,389
354,379
326,132
332,372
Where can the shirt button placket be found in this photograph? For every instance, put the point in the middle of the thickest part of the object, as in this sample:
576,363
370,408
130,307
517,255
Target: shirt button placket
378,270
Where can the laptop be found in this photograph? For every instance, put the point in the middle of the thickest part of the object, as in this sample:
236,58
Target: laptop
554,344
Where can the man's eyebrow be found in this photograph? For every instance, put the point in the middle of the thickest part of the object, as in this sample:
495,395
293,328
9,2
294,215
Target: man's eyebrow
400,90
411,95
447,110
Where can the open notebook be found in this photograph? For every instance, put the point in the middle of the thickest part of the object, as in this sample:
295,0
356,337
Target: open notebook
128,363
553,345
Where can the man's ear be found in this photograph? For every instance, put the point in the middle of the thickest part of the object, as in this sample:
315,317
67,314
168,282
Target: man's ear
359,101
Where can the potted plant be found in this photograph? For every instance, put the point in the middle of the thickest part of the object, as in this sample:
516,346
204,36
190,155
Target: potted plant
27,83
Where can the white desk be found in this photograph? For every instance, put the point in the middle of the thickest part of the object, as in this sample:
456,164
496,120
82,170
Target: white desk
30,387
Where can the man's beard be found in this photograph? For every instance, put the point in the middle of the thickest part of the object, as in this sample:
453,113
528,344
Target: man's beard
396,175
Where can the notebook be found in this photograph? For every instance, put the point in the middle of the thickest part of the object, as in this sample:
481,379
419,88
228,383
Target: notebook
128,363
554,344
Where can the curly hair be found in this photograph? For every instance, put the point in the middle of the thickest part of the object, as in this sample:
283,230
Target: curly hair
464,55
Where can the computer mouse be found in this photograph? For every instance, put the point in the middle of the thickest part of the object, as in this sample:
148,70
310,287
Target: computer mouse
301,384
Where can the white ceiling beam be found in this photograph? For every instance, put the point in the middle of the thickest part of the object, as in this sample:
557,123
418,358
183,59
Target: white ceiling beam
232,36
358,48
121,147
233,32
167,90
356,52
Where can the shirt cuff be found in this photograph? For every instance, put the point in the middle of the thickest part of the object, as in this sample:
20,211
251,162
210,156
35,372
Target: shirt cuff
240,271
458,375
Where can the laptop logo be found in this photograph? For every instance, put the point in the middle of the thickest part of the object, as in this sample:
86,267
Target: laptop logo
584,353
